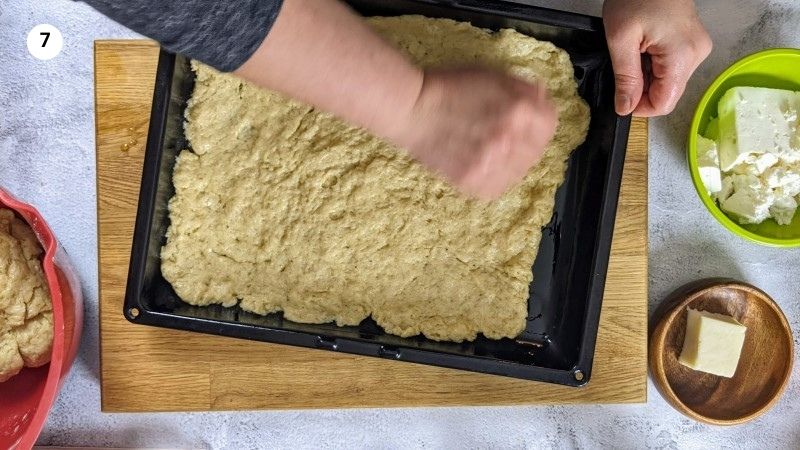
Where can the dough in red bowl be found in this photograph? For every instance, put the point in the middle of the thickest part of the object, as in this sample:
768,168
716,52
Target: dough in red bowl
47,333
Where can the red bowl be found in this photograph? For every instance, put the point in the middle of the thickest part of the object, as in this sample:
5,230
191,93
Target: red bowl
28,396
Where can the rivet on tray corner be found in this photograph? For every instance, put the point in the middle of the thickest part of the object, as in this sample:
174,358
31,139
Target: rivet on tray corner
133,313
578,375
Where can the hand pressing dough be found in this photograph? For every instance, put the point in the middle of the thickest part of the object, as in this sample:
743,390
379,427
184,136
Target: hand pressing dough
279,207
26,318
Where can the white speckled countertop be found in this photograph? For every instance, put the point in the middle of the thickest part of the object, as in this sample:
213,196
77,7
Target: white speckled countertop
47,158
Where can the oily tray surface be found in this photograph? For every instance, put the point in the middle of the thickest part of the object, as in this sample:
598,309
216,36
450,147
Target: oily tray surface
569,269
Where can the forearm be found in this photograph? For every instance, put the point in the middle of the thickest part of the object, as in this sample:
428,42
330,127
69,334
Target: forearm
222,34
482,130
322,53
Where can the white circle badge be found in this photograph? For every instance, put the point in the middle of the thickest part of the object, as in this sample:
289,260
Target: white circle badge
45,42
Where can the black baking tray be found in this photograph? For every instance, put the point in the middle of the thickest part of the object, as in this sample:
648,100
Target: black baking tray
569,271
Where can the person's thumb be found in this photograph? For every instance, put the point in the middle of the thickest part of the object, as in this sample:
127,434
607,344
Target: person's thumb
628,77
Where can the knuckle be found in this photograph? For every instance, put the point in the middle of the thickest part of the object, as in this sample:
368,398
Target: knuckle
618,33
496,145
663,110
552,126
706,45
701,44
522,109
626,80
517,113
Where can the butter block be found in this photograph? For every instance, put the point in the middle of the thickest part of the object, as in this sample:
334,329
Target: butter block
713,343
758,121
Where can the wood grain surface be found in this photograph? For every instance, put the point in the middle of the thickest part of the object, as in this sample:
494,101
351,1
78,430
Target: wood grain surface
151,369
764,366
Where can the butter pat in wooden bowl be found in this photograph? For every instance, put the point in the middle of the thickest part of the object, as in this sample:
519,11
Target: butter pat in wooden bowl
764,366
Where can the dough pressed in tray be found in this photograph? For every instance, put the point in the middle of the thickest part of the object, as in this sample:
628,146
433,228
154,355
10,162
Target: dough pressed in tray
279,207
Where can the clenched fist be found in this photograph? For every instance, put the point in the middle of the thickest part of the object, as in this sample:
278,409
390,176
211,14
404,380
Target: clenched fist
480,129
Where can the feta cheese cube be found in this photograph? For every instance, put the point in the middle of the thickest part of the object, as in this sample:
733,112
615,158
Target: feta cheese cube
755,164
708,164
785,178
783,208
744,169
712,343
727,189
757,121
750,200
762,162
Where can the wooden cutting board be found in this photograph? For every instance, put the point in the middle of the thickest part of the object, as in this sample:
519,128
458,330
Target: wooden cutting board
153,369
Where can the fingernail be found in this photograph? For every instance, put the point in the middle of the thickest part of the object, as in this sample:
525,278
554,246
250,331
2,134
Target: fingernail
623,104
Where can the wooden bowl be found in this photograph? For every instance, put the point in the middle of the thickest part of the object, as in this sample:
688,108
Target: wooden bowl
764,367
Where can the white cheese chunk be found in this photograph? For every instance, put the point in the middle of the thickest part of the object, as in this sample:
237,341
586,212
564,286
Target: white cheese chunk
783,208
708,164
757,121
758,145
762,162
750,200
755,165
727,189
785,178
744,169
712,343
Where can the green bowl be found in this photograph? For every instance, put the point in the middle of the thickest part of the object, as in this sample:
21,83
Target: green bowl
775,68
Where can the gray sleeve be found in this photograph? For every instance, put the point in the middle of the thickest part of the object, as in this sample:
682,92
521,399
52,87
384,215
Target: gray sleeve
221,33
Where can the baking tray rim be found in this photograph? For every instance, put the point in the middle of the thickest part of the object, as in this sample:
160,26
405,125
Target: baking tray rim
577,376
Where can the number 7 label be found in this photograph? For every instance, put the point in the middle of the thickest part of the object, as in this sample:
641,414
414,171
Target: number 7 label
44,42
